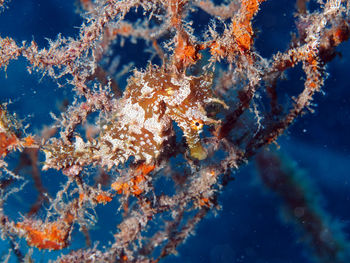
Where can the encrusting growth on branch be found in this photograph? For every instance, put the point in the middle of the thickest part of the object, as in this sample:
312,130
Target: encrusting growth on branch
193,114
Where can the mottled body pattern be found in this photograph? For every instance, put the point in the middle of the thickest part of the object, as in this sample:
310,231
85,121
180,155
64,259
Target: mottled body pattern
142,125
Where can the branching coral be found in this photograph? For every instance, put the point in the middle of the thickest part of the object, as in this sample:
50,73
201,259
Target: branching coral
114,143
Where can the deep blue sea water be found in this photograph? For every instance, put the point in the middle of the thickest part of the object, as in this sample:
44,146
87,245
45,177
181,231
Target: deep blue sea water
250,227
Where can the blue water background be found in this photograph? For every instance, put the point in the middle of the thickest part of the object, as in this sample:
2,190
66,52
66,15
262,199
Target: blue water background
249,229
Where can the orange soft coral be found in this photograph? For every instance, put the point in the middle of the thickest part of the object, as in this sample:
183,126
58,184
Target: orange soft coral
51,235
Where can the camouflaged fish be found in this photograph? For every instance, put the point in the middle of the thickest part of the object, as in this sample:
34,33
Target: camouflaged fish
142,126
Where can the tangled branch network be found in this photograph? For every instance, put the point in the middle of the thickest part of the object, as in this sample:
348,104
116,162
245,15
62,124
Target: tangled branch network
154,144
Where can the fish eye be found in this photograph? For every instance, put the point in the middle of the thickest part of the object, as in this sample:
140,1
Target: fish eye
197,124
